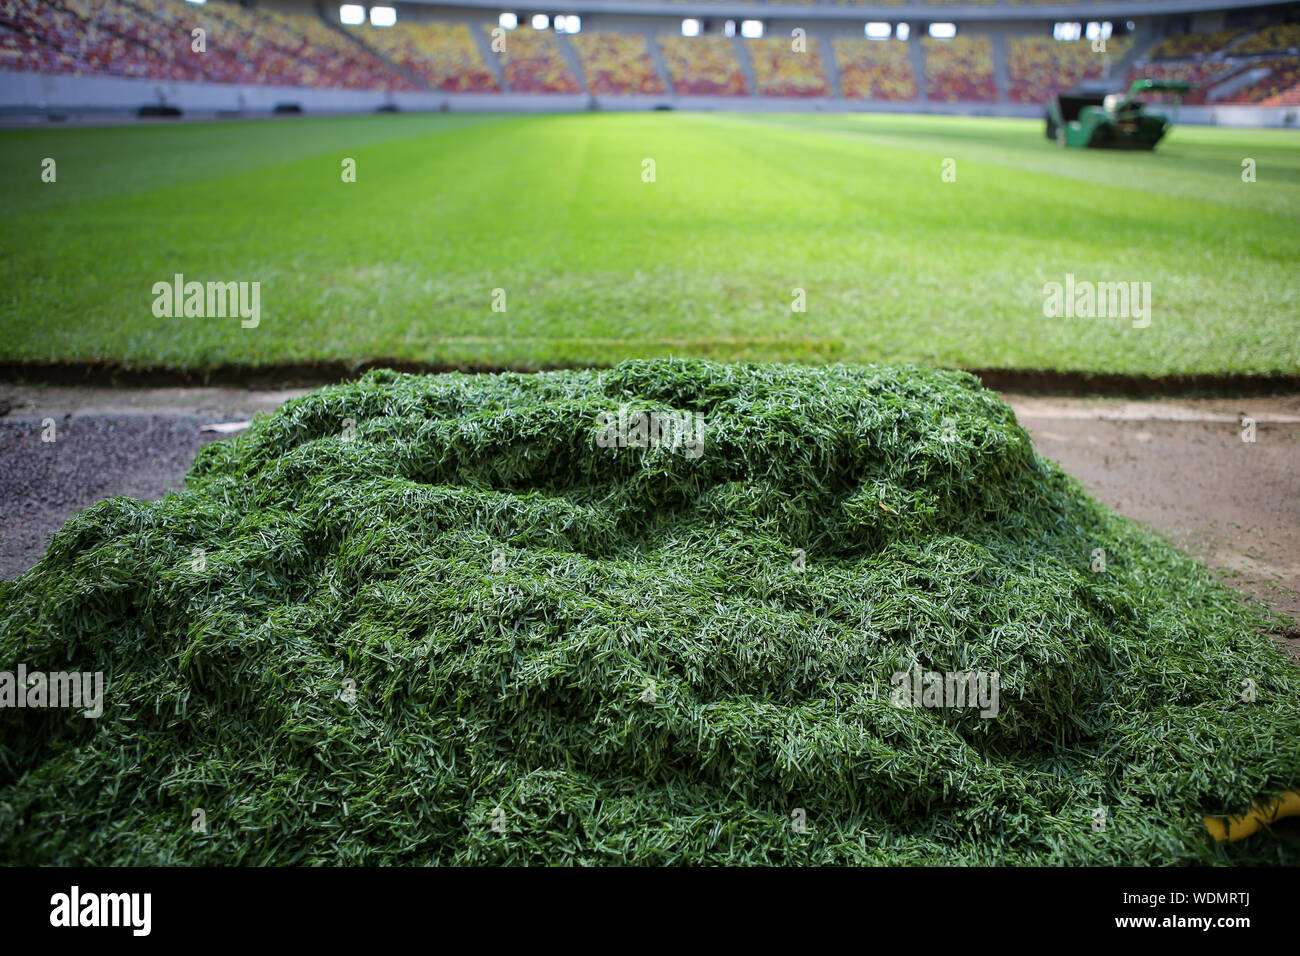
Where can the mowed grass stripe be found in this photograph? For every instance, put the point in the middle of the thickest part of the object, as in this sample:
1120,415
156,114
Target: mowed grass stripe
102,161
598,265
1197,162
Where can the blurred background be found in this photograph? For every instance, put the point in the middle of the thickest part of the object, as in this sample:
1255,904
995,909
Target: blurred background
1003,57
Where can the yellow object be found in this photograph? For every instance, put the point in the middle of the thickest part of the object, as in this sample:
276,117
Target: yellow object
1238,828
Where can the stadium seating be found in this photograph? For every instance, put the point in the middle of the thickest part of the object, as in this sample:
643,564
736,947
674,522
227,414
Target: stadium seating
167,26
959,70
703,66
874,69
533,63
1280,88
68,38
151,39
50,44
231,28
617,64
138,47
1038,67
780,71
1192,44
336,60
25,53
1276,88
1280,38
442,54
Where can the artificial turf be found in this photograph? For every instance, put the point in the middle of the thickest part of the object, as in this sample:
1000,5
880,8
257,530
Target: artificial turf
446,619
597,265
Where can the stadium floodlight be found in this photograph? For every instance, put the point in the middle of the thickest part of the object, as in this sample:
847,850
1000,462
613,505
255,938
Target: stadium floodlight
729,28
352,14
507,21
943,31
904,31
541,21
196,1
1067,32
690,28
879,31
383,16
751,29
568,24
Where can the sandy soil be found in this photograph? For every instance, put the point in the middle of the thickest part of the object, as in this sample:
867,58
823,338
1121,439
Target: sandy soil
1181,466
1184,468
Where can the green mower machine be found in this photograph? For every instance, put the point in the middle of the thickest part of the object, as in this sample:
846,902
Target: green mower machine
1113,121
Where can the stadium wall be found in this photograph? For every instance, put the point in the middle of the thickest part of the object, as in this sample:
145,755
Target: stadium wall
28,96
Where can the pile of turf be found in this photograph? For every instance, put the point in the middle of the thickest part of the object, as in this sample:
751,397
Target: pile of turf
437,619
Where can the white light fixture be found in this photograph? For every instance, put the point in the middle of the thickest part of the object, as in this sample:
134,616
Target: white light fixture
382,16
1067,32
690,28
541,21
729,28
568,24
879,31
904,31
943,31
508,21
751,29
352,14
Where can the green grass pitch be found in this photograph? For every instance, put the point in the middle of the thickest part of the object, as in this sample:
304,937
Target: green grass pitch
598,265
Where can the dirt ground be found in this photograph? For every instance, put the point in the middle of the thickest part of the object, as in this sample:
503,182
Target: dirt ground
1187,467
1182,467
